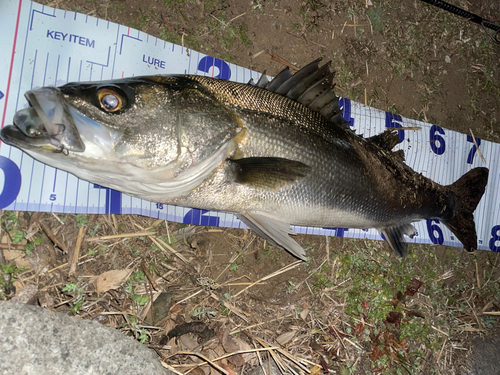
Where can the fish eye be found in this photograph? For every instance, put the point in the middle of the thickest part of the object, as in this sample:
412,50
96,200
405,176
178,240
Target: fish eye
110,100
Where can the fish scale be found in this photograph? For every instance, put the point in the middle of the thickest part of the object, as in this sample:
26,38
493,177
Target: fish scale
276,154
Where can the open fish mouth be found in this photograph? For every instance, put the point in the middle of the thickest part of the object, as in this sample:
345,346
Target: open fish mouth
49,122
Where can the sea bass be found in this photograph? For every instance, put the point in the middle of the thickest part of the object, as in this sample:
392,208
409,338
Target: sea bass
275,153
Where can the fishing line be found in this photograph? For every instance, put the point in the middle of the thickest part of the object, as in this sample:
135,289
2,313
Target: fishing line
471,16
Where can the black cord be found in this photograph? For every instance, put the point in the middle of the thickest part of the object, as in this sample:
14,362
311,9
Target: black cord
471,16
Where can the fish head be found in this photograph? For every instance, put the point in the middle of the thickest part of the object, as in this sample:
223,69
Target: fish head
154,130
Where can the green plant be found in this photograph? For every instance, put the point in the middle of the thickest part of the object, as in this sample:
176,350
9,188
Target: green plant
200,312
140,300
138,331
233,267
78,294
81,220
376,17
7,276
93,231
30,246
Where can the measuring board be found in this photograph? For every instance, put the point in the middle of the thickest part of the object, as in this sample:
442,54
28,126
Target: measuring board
43,46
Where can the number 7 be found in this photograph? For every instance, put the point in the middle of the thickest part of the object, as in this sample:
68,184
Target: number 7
473,150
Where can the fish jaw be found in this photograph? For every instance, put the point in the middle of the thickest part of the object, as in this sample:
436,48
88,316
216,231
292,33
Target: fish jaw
51,125
54,131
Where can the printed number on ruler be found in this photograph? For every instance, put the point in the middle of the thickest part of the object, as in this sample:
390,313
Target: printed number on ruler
339,232
395,121
495,238
438,145
198,217
208,62
435,232
473,150
12,174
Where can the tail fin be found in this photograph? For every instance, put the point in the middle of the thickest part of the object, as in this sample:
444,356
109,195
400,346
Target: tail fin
469,189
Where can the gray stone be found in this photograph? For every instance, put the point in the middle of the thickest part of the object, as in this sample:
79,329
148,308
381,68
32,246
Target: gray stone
485,356
37,341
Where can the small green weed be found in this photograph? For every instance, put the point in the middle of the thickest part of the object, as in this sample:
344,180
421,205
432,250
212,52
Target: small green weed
78,294
81,220
200,312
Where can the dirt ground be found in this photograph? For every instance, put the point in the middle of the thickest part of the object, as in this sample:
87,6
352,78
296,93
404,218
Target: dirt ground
353,308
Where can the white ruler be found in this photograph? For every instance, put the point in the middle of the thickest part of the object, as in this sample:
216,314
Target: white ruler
44,46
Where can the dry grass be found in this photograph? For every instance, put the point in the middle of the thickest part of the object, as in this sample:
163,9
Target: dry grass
353,308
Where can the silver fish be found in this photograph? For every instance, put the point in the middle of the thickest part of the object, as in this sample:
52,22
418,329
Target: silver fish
275,153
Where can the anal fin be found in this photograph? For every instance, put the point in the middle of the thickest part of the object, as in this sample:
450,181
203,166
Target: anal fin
274,231
395,237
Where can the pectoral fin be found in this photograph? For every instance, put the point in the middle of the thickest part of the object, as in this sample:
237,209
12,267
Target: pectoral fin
274,231
268,172
394,236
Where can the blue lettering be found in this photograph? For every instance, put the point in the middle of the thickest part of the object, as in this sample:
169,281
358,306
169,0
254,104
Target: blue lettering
473,150
207,62
13,175
345,106
435,232
198,217
438,145
395,121
59,35
495,237
113,200
153,61
339,232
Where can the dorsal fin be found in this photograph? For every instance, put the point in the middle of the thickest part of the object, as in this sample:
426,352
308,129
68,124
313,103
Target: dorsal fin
388,140
311,86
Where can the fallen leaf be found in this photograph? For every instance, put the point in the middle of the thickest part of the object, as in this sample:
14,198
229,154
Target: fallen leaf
230,346
111,280
285,338
304,313
394,317
249,358
45,300
413,287
415,313
376,353
18,256
228,368
26,295
13,254
189,341
315,370
359,328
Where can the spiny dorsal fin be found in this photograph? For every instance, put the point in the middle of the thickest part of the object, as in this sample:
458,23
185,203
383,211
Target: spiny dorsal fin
311,86
388,140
